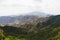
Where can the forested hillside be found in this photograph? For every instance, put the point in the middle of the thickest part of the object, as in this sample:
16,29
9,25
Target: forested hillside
40,30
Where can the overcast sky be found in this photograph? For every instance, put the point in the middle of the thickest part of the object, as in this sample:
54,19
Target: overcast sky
16,7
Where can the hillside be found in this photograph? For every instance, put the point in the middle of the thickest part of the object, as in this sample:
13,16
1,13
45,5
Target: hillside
22,18
42,29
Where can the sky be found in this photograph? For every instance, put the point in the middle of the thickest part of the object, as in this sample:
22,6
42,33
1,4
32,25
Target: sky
19,7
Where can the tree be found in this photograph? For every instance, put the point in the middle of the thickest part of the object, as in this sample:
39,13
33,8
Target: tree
1,34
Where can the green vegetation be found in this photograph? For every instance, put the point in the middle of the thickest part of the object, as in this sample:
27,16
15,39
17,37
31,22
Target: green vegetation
22,34
49,30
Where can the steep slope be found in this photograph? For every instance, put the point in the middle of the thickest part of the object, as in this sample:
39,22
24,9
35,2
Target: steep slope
54,21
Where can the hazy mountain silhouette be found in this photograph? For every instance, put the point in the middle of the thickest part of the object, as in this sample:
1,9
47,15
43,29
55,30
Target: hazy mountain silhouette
23,18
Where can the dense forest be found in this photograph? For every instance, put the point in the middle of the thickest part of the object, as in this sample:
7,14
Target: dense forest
47,30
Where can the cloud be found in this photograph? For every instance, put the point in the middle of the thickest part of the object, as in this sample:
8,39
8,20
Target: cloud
16,7
38,0
49,6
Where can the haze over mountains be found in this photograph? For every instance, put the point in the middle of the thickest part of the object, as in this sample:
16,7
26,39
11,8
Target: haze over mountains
46,28
23,18
29,19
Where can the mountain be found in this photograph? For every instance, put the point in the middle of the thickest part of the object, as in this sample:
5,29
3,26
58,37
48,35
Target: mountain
44,29
6,19
22,18
40,14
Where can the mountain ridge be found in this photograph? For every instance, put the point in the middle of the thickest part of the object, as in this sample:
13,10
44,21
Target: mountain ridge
22,18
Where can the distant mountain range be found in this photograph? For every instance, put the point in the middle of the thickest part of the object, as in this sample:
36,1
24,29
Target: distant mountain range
22,18
46,28
40,14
